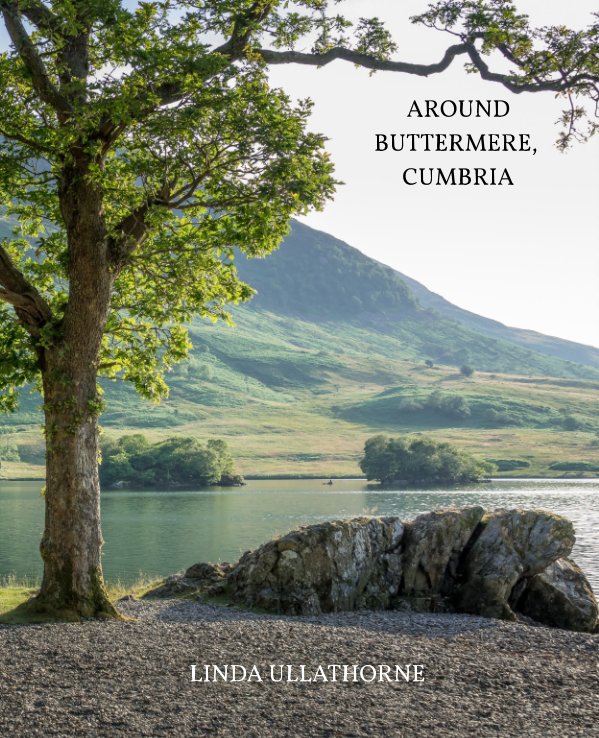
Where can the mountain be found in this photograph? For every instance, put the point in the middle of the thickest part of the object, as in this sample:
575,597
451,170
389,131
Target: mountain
336,347
315,276
532,340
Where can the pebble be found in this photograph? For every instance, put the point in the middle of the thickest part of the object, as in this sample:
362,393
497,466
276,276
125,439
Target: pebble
109,679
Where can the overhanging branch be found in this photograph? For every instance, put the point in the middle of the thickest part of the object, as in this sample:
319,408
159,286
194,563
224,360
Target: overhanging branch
363,60
468,49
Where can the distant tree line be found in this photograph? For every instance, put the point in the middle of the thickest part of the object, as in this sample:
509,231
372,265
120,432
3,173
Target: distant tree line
419,460
132,461
450,405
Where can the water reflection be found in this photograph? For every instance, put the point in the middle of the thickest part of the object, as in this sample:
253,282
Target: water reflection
158,533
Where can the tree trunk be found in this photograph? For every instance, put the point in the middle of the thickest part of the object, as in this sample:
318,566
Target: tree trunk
72,584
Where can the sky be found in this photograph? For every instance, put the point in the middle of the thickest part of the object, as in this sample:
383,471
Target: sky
525,255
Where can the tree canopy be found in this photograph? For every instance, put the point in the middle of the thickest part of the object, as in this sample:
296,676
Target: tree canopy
132,461
419,461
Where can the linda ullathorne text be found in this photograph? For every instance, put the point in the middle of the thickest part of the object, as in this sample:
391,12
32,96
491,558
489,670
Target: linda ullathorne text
301,673
456,142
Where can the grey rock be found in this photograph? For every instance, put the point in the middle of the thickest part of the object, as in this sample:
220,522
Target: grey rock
560,597
444,561
431,549
333,566
513,544
198,579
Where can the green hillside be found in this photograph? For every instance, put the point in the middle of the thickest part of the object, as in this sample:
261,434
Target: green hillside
332,350
315,276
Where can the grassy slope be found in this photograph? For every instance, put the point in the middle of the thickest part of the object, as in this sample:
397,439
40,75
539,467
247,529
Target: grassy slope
293,397
328,354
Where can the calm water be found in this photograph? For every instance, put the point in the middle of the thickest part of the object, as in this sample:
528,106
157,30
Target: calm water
158,533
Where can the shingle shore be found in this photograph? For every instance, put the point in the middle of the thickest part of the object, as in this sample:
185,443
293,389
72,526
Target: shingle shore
482,677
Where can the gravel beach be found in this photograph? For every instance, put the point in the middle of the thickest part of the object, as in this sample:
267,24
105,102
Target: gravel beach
481,677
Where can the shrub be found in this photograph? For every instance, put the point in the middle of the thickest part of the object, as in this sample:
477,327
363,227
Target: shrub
176,462
419,461
509,464
571,423
9,451
574,466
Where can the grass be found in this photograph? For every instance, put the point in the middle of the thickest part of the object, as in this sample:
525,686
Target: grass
14,595
293,398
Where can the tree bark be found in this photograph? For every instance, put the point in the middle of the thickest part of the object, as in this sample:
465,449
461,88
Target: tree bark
72,584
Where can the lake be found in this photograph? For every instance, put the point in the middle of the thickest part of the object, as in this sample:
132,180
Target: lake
158,533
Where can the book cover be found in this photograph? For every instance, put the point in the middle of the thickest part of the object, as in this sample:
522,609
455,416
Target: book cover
299,368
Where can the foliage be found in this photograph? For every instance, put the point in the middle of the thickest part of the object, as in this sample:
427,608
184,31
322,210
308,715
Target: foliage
131,461
9,451
572,423
466,370
574,466
537,57
419,461
504,465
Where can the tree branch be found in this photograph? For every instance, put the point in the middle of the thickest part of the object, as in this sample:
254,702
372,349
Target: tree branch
245,23
363,60
26,49
33,145
131,231
561,85
31,308
40,15
424,70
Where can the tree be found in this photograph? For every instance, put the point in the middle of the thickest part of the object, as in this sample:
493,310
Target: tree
466,370
138,147
176,462
419,461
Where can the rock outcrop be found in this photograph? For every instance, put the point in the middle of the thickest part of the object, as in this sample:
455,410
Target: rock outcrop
340,565
431,549
560,597
512,545
495,564
205,578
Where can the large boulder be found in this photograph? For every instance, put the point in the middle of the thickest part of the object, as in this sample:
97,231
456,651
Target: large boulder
493,564
340,565
513,545
431,548
560,597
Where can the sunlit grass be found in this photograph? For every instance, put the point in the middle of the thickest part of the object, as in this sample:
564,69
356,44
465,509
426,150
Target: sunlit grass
295,399
16,592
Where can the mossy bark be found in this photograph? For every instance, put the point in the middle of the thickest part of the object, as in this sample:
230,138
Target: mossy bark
72,583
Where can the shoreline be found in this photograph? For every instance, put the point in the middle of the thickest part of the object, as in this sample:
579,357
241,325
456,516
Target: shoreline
481,677
342,478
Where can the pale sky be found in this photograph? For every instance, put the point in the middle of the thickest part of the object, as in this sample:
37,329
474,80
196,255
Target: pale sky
525,255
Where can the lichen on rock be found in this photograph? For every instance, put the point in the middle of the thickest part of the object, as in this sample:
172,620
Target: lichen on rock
339,565
560,597
511,545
